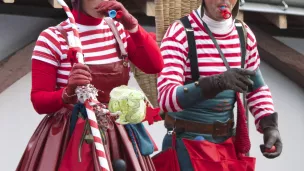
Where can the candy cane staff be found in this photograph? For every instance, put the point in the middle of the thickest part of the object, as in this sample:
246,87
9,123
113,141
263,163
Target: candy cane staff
64,139
86,94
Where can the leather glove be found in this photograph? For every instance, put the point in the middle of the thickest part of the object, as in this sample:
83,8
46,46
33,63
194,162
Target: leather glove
127,20
269,126
236,79
79,76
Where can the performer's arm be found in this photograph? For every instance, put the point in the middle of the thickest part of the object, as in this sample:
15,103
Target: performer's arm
44,96
260,101
142,49
144,52
172,96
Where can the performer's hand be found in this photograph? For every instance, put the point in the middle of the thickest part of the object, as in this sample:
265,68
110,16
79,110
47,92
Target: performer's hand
272,136
127,20
236,79
79,76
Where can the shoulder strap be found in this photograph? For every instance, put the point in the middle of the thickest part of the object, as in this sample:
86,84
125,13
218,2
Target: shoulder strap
114,30
63,32
192,54
240,26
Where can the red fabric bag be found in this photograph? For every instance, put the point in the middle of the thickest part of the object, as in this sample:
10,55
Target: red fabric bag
79,154
167,160
207,156
117,146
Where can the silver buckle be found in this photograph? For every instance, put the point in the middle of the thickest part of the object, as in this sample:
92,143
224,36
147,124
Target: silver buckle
170,132
189,29
173,130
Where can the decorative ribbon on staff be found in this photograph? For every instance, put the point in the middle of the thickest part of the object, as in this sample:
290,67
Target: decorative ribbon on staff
86,94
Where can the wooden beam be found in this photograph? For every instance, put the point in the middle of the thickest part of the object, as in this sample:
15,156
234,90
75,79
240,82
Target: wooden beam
150,8
55,4
16,66
8,1
240,16
279,20
280,56
146,6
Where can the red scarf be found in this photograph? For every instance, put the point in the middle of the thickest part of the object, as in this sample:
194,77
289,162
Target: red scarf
242,141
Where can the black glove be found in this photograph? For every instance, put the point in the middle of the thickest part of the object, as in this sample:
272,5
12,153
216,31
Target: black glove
236,79
269,126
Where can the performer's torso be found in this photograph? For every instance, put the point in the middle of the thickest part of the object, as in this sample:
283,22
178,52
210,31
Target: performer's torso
100,52
209,59
210,63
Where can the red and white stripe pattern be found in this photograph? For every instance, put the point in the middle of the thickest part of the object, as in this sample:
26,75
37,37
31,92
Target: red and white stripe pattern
100,150
98,46
174,49
260,103
74,41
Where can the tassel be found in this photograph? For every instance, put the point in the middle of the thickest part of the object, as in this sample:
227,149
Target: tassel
242,141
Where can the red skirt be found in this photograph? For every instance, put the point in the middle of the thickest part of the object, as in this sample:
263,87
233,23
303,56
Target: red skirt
50,148
46,147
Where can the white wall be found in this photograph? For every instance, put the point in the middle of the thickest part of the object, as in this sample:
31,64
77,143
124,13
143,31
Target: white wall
19,120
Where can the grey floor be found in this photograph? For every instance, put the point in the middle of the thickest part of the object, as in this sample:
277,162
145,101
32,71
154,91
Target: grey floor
19,120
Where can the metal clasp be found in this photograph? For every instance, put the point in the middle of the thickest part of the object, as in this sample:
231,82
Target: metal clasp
174,128
285,5
189,29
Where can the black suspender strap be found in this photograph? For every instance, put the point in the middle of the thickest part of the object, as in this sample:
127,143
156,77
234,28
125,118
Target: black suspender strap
192,54
243,42
217,46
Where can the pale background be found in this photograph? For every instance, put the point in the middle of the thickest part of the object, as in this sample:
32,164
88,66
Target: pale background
19,120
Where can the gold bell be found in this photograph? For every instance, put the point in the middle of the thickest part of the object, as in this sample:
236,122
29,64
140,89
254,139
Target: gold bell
196,83
186,90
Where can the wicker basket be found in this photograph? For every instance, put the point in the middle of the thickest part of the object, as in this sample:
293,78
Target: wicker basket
166,11
147,82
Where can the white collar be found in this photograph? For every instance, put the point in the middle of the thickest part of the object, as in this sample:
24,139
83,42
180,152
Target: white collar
217,27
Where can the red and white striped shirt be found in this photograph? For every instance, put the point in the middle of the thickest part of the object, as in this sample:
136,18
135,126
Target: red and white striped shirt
98,44
174,49
50,66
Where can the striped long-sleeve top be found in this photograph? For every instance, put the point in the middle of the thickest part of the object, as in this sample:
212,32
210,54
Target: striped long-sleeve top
174,49
51,66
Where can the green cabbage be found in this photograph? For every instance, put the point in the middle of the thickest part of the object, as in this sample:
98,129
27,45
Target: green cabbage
129,103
